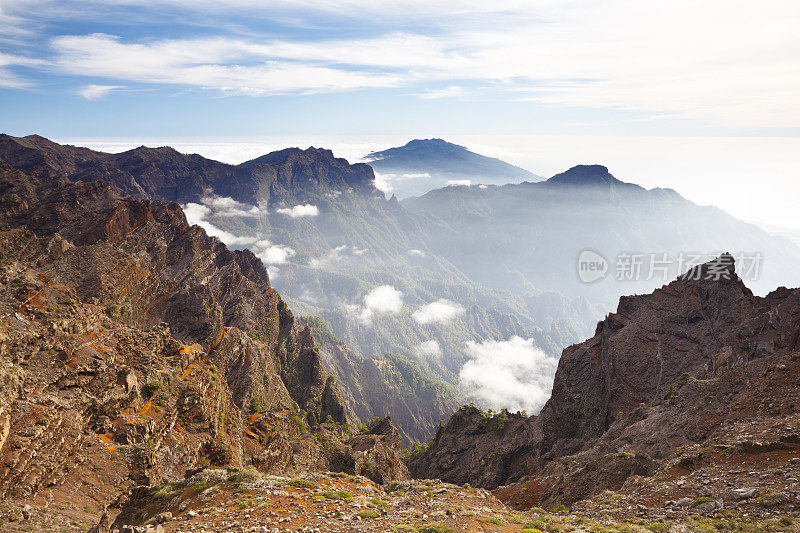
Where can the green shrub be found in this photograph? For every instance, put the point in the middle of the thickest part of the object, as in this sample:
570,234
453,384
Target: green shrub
248,474
150,388
304,483
367,513
701,500
255,405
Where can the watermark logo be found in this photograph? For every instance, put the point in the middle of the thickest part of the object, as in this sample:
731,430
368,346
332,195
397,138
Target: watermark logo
591,266
634,266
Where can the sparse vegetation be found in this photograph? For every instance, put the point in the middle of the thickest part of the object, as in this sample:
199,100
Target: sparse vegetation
436,527
335,495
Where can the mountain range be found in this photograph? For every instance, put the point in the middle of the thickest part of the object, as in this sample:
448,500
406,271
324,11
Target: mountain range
425,286
153,379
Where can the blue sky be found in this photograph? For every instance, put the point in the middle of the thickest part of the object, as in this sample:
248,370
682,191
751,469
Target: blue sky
250,67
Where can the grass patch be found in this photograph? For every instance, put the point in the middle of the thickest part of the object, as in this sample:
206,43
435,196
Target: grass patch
436,527
335,495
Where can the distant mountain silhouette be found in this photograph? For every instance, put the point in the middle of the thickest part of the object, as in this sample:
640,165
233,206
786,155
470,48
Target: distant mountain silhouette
426,164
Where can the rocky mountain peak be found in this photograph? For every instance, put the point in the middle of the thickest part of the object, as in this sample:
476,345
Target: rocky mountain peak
585,176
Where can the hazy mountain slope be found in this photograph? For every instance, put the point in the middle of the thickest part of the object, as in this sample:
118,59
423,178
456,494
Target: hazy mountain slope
390,384
536,231
425,164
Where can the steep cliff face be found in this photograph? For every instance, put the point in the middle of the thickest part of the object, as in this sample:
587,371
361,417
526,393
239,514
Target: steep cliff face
662,372
699,327
135,348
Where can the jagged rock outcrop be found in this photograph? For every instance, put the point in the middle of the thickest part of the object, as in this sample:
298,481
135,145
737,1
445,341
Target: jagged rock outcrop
662,372
135,348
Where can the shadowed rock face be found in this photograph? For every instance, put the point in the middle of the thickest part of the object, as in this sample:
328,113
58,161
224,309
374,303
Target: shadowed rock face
660,373
135,348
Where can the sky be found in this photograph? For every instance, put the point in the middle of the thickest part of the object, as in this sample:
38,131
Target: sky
698,96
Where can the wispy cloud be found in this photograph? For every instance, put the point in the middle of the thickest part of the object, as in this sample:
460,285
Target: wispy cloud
428,349
94,92
512,374
229,65
10,79
270,253
453,91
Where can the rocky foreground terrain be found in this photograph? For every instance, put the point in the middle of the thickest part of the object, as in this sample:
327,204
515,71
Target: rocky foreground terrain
151,379
135,349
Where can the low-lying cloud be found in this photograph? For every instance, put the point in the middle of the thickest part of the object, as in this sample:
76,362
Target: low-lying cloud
439,311
298,211
196,214
459,183
271,254
512,374
428,349
337,254
228,207
382,299
383,182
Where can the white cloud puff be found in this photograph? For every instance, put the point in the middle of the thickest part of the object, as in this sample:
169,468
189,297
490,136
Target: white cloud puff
439,311
381,299
512,374
297,211
459,183
384,299
272,254
228,207
428,349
